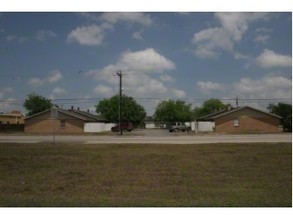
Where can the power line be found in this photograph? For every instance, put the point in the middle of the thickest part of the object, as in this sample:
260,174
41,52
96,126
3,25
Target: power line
92,100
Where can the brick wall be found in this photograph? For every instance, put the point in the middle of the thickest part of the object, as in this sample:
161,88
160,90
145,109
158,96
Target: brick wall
45,124
250,121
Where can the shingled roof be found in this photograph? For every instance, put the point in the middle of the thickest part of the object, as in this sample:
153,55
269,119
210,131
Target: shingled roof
213,116
85,116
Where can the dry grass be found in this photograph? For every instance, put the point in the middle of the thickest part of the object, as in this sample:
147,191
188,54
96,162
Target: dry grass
209,175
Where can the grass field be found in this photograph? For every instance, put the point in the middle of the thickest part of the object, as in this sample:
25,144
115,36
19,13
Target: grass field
208,175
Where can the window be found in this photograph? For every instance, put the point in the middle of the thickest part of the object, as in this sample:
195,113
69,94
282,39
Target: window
62,125
236,122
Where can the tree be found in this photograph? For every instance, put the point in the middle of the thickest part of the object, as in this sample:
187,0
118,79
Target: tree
36,103
173,111
131,110
209,106
285,111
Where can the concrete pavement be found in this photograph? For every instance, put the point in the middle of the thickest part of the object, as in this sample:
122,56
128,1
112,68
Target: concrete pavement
116,139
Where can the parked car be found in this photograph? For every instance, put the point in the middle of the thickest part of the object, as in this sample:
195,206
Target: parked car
178,126
125,127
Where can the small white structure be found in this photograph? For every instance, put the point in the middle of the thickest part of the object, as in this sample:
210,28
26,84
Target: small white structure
191,125
204,126
95,127
149,125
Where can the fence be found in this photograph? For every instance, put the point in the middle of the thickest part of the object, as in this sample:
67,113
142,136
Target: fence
93,127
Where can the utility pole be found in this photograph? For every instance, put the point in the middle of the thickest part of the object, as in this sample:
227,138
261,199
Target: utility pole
236,102
119,73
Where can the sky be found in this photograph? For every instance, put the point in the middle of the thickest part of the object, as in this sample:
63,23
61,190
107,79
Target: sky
73,57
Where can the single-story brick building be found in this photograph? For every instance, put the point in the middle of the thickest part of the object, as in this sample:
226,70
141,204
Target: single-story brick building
59,121
243,120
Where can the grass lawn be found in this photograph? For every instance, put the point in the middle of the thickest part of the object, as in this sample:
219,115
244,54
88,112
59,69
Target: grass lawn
207,175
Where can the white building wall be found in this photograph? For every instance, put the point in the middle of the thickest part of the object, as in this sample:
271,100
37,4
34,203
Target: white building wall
108,126
190,124
149,125
204,126
95,127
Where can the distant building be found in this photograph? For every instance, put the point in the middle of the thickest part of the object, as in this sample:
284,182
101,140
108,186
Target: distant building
64,121
149,122
239,120
12,118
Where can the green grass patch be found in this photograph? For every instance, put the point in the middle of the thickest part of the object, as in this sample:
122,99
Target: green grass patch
139,175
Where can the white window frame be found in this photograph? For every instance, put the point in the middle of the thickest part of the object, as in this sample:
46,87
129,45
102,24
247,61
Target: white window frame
236,122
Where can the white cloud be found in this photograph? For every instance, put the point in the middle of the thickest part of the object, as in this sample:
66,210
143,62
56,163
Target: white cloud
107,74
267,87
156,86
237,23
249,91
166,78
272,86
53,77
104,91
36,82
132,17
137,35
94,34
87,35
133,63
59,91
178,93
269,59
90,16
8,105
208,87
262,35
262,38
138,80
16,38
211,41
42,35
5,90
146,61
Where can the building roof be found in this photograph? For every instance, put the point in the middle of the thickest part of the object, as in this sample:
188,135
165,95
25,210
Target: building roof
85,116
215,115
13,113
89,115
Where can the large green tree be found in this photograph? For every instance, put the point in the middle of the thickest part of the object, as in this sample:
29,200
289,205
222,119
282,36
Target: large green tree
173,111
285,111
36,103
131,111
208,107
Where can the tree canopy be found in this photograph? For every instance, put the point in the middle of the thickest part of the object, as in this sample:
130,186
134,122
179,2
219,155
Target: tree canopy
131,110
208,107
285,111
36,103
173,111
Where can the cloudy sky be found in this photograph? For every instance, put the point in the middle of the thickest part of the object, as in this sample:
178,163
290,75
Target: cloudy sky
72,58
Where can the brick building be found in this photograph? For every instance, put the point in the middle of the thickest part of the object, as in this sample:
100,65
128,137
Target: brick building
59,121
243,120
12,118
